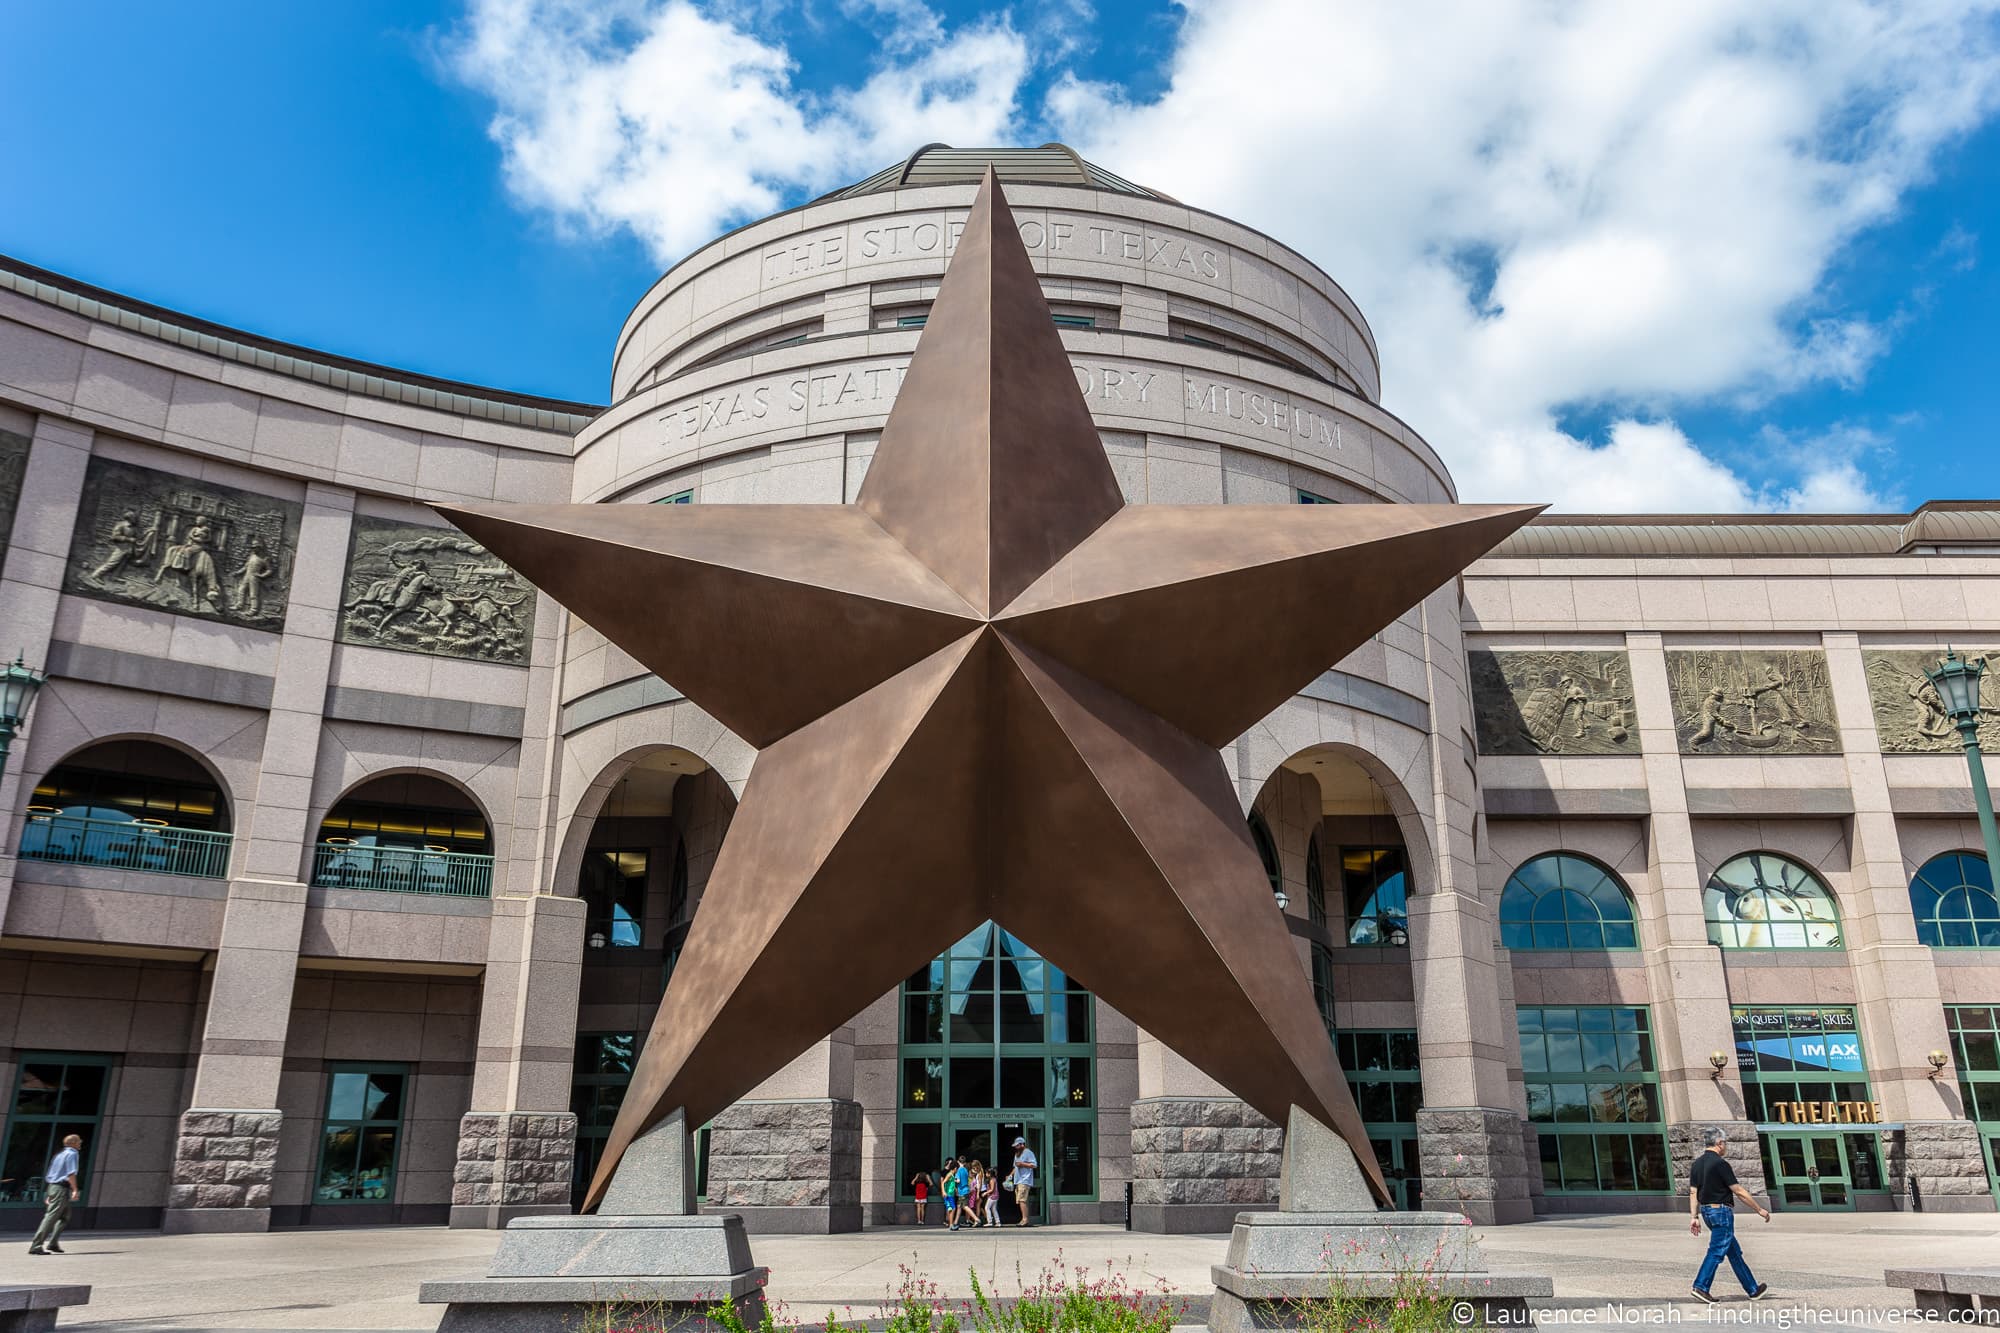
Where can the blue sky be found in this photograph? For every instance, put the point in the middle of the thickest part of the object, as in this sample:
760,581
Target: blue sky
1726,257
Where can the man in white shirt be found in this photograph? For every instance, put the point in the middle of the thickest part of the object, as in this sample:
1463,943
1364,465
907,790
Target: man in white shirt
59,1194
1024,1177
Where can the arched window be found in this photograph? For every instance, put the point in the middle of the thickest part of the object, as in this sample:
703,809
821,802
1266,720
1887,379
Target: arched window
1560,901
1953,901
1761,900
1315,884
1267,851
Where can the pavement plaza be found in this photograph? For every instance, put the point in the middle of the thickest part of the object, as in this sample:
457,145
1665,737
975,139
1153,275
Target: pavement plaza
1821,1269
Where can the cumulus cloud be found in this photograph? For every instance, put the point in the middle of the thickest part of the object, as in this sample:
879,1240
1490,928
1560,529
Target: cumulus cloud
674,122
1547,210
1543,206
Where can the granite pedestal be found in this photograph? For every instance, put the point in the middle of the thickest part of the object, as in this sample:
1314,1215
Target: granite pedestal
645,1247
1327,1230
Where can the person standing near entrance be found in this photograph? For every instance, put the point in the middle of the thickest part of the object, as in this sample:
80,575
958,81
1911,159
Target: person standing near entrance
1024,1177
1712,1192
948,1180
921,1183
60,1192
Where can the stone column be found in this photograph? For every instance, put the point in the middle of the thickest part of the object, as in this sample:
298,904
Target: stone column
1937,1157
1469,1137
1684,972
226,1152
788,1156
517,1143
31,586
1199,1155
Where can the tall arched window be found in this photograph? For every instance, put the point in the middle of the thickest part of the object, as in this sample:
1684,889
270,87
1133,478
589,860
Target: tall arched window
1267,851
1953,901
1761,900
1561,901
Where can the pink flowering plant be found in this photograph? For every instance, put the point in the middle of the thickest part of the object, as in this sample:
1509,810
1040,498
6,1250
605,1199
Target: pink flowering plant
1062,1299
1377,1288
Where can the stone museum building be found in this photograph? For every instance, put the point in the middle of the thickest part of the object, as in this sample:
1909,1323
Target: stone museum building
341,873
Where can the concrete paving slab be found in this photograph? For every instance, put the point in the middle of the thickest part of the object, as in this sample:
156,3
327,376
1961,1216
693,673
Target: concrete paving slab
349,1280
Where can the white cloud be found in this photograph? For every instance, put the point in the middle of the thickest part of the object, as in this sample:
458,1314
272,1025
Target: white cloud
1655,192
674,123
1542,207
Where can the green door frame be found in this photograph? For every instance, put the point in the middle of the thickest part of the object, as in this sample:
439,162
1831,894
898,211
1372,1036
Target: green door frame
1821,1179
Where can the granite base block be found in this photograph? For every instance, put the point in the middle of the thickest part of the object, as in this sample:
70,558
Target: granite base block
1276,1260
557,1304
33,1307
548,1270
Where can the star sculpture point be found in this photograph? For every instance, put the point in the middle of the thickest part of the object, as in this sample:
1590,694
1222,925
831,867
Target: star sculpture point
988,690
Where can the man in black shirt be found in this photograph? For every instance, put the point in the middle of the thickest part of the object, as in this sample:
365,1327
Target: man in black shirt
1711,1190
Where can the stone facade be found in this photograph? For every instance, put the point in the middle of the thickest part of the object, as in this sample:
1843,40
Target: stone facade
1909,716
1939,1166
223,1164
285,614
788,1166
193,548
1684,1144
1775,701
420,588
518,1162
1554,703
1473,1164
1198,1161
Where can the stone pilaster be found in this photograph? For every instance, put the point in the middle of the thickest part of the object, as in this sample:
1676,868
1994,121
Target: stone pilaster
1938,1165
1199,1161
513,1163
223,1163
521,1079
788,1166
242,1057
1472,1163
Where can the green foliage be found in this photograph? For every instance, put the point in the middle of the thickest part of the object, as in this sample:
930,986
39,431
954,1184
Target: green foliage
1376,1291
1063,1300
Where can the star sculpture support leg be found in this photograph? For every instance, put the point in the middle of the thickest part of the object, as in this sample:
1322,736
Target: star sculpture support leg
988,690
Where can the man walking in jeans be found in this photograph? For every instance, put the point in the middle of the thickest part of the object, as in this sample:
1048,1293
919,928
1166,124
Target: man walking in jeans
59,1194
1712,1189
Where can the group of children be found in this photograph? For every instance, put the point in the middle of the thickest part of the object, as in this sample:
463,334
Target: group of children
971,1193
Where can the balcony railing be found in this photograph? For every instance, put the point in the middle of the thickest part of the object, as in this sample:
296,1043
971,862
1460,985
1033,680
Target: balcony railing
126,844
344,865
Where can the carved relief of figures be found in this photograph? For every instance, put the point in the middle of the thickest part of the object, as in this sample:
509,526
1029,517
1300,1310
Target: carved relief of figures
1909,716
13,466
155,539
424,589
1554,701
1752,701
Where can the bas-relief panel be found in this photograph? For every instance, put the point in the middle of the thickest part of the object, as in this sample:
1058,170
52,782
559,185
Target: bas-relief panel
195,548
13,466
1752,701
433,590
1553,702
1909,716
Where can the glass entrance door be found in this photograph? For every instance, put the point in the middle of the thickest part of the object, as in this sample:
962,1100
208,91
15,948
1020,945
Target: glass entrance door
992,1144
1811,1172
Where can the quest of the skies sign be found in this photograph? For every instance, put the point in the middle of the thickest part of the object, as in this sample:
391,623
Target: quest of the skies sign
1804,1042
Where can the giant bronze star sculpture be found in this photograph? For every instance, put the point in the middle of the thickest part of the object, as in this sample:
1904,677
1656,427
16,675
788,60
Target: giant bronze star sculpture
989,689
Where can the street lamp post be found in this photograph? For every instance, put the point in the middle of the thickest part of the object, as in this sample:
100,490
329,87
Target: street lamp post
1957,682
18,684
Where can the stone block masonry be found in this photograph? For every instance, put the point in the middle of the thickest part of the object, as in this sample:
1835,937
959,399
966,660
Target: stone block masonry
1472,1163
1945,1162
787,1165
512,1164
223,1164
1199,1161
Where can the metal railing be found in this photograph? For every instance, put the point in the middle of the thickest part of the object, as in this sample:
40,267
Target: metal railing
344,865
126,844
